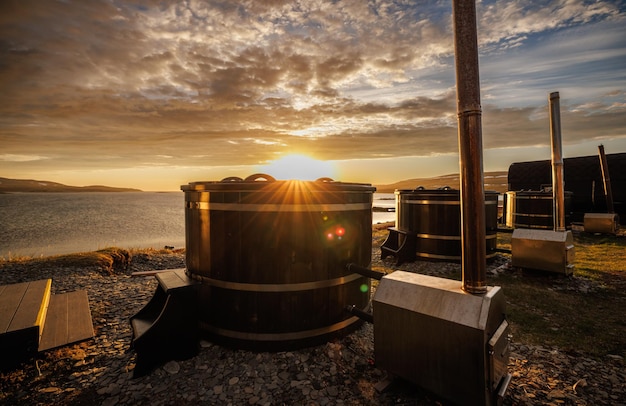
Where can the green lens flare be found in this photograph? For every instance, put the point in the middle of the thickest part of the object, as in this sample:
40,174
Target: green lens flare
364,288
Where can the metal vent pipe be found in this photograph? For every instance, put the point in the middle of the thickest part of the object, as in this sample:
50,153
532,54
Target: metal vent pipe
558,184
474,262
608,192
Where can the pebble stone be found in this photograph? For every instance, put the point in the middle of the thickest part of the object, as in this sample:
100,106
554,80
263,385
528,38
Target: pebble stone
340,372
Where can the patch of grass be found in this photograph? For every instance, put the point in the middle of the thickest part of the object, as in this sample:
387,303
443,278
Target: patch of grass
15,258
156,251
110,260
584,312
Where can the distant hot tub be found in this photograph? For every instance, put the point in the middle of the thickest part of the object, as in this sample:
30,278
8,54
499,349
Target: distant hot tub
272,257
534,209
434,217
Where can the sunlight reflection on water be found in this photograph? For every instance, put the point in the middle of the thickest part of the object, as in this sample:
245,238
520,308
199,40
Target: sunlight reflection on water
36,224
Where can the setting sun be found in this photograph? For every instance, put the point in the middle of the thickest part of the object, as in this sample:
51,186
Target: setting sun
299,167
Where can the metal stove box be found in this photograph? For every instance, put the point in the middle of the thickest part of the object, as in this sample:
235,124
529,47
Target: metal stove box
544,250
607,223
428,331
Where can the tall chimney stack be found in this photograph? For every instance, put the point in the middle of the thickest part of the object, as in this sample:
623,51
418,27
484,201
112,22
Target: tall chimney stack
558,184
474,261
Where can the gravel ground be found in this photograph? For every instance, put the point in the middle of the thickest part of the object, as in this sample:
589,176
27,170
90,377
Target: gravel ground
99,371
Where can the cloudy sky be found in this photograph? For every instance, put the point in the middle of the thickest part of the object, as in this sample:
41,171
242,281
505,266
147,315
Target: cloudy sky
155,94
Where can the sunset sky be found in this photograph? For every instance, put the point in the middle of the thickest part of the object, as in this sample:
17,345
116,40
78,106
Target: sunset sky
156,94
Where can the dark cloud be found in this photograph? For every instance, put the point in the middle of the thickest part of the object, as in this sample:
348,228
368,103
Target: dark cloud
113,83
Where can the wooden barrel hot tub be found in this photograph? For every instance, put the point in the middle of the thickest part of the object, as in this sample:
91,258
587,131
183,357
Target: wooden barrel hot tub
272,256
533,209
433,217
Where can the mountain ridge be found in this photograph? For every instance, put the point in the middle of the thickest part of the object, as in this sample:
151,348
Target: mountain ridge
497,181
30,186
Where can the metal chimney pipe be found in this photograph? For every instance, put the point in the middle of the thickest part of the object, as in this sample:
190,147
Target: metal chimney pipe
558,184
608,192
474,262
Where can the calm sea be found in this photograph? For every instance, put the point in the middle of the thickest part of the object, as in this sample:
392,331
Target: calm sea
42,224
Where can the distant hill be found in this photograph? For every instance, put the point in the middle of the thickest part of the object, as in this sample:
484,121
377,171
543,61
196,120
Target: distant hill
497,181
29,185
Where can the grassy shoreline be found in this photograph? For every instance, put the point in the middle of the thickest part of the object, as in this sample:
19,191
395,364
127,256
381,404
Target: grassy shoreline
100,257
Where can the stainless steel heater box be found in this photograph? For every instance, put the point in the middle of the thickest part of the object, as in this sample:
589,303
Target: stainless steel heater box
431,332
606,223
543,250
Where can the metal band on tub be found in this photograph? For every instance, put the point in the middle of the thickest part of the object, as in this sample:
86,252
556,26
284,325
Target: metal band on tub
297,335
277,207
277,287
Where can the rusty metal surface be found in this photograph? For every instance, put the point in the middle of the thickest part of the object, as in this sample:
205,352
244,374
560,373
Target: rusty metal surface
474,262
434,334
544,250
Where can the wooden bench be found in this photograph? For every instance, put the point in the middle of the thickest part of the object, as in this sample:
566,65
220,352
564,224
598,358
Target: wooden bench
403,249
166,327
68,320
23,308
32,320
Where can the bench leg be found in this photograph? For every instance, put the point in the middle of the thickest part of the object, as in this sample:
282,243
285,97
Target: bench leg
390,246
403,251
406,252
166,329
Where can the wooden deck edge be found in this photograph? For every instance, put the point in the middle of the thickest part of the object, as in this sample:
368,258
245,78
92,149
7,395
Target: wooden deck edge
43,310
68,320
24,305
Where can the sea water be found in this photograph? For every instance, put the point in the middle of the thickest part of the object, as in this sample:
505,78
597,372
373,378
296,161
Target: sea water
43,224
